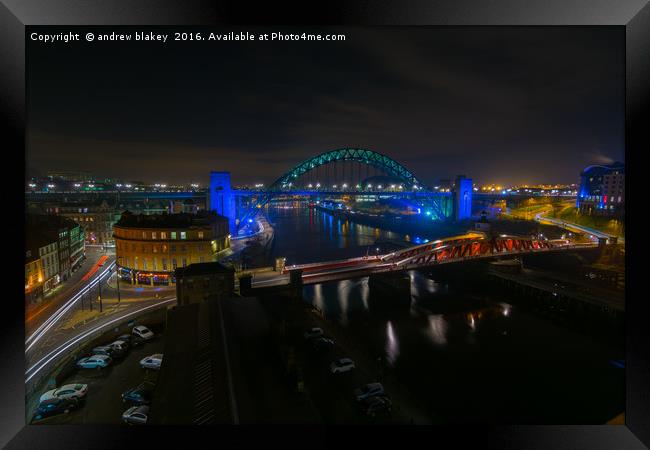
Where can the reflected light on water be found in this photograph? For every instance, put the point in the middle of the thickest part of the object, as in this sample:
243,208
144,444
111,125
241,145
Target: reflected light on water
392,344
437,330
364,291
343,291
319,300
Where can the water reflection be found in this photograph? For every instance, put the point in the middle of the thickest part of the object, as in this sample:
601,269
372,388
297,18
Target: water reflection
392,344
437,330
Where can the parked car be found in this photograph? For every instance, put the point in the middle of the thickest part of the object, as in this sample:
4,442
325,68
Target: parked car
108,351
120,346
94,362
376,405
342,365
152,362
131,339
125,338
322,343
142,332
77,391
140,395
55,406
313,333
369,390
136,414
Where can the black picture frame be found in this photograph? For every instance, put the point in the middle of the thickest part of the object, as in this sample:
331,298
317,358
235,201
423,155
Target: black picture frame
634,15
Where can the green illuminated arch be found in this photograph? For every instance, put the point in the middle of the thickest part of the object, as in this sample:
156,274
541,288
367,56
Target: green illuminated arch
369,157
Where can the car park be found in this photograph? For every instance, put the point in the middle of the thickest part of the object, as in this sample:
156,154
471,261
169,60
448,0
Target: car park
152,361
136,414
375,405
142,332
77,391
369,390
139,395
55,406
313,333
342,365
94,362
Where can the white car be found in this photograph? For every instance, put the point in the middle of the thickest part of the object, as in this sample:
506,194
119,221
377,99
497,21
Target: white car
77,391
94,362
313,332
119,346
342,365
142,332
136,414
152,362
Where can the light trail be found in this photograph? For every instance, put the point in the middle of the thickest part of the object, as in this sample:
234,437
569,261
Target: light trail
49,323
36,368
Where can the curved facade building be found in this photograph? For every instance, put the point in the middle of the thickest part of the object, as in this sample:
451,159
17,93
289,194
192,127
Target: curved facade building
150,247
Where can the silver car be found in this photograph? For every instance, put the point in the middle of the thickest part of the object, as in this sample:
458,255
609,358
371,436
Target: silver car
152,362
136,414
77,391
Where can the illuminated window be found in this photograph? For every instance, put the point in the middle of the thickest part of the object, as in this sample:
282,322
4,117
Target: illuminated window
174,263
144,264
155,264
144,235
200,234
153,235
164,264
155,249
183,235
173,235
163,235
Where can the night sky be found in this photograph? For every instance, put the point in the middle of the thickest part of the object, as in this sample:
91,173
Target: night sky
502,105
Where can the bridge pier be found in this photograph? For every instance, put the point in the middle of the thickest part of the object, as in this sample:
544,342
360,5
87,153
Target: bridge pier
389,291
295,281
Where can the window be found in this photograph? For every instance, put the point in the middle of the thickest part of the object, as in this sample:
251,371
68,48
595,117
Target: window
144,235
172,248
153,235
155,264
184,262
155,249
201,259
200,234
144,263
183,235
173,235
163,235
164,264
174,263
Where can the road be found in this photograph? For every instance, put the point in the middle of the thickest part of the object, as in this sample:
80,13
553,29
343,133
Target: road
69,326
37,313
574,227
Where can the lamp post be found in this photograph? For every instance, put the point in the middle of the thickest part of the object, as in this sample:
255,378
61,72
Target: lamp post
117,273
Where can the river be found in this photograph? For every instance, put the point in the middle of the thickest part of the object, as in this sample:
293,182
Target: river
467,352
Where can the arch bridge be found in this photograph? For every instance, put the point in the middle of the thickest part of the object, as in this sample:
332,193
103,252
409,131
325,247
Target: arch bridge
337,172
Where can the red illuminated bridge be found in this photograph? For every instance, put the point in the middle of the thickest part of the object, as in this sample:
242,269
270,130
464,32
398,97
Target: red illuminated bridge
456,249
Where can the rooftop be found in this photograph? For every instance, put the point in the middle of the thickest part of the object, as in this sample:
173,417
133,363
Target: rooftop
164,220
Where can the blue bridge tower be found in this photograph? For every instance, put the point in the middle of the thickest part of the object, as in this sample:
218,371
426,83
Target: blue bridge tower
463,198
222,199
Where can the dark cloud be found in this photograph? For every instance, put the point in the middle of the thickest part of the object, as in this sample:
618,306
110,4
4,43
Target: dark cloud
497,104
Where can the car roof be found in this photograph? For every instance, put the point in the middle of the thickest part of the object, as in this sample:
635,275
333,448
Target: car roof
374,385
100,356
142,409
74,386
119,342
140,328
157,355
344,360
